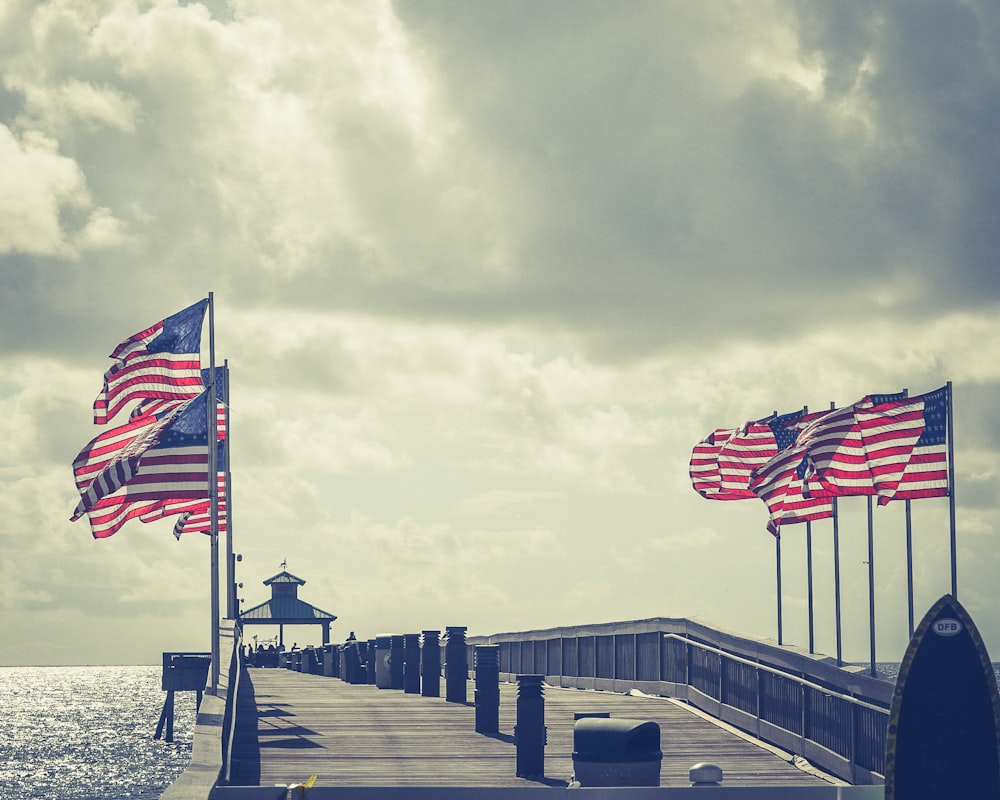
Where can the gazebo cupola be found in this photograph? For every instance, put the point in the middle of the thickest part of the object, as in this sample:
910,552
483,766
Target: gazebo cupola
284,584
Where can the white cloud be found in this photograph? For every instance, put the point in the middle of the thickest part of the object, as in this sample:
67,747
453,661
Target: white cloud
481,293
36,184
102,232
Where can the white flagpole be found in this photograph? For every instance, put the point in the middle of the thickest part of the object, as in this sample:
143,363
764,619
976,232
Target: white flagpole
213,495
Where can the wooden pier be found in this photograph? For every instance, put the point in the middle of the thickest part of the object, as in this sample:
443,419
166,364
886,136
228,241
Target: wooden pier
716,698
359,735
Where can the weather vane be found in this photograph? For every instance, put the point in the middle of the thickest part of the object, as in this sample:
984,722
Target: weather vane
284,563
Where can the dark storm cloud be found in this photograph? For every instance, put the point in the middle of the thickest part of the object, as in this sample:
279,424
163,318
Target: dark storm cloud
651,192
934,83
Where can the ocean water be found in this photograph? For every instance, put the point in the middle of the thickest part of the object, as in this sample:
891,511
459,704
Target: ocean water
889,670
86,733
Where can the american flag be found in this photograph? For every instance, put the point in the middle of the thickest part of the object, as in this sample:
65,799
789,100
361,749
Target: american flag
704,464
110,459
751,446
169,459
835,451
162,361
782,482
906,443
110,513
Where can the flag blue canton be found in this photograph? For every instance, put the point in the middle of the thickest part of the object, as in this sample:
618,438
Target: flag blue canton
220,382
190,427
890,397
784,436
181,331
935,418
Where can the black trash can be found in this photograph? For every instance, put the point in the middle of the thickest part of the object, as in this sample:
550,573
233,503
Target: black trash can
616,752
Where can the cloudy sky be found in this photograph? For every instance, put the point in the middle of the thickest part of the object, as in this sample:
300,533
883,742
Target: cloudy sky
484,273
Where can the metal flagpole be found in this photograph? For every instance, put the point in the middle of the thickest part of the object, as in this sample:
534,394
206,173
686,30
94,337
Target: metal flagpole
871,585
909,567
836,569
777,561
909,556
213,495
951,492
836,580
809,569
809,580
230,563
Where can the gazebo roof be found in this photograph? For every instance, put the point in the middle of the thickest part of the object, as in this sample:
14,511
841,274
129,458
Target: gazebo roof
286,610
284,577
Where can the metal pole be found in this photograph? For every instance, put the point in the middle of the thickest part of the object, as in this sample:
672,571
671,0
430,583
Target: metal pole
809,583
836,570
836,581
909,568
213,496
950,433
909,556
777,561
232,610
871,585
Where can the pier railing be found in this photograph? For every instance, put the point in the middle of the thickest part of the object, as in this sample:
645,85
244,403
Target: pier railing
835,717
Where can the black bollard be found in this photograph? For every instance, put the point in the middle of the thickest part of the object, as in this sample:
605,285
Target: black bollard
396,661
430,664
456,667
353,668
411,663
487,666
529,732
371,662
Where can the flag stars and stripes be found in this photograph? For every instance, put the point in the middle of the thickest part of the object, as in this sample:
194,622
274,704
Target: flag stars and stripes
162,361
886,444
156,464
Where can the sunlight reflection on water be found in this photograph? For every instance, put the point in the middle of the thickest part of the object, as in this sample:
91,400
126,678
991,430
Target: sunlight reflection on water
86,733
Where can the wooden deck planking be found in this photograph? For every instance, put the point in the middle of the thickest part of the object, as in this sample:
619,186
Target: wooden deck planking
363,736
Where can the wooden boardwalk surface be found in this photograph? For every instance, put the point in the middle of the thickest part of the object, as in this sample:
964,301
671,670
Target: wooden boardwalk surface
358,735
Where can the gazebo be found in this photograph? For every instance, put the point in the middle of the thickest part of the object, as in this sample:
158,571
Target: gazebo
285,608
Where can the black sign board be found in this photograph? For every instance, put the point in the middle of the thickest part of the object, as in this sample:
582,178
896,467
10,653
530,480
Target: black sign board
942,738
